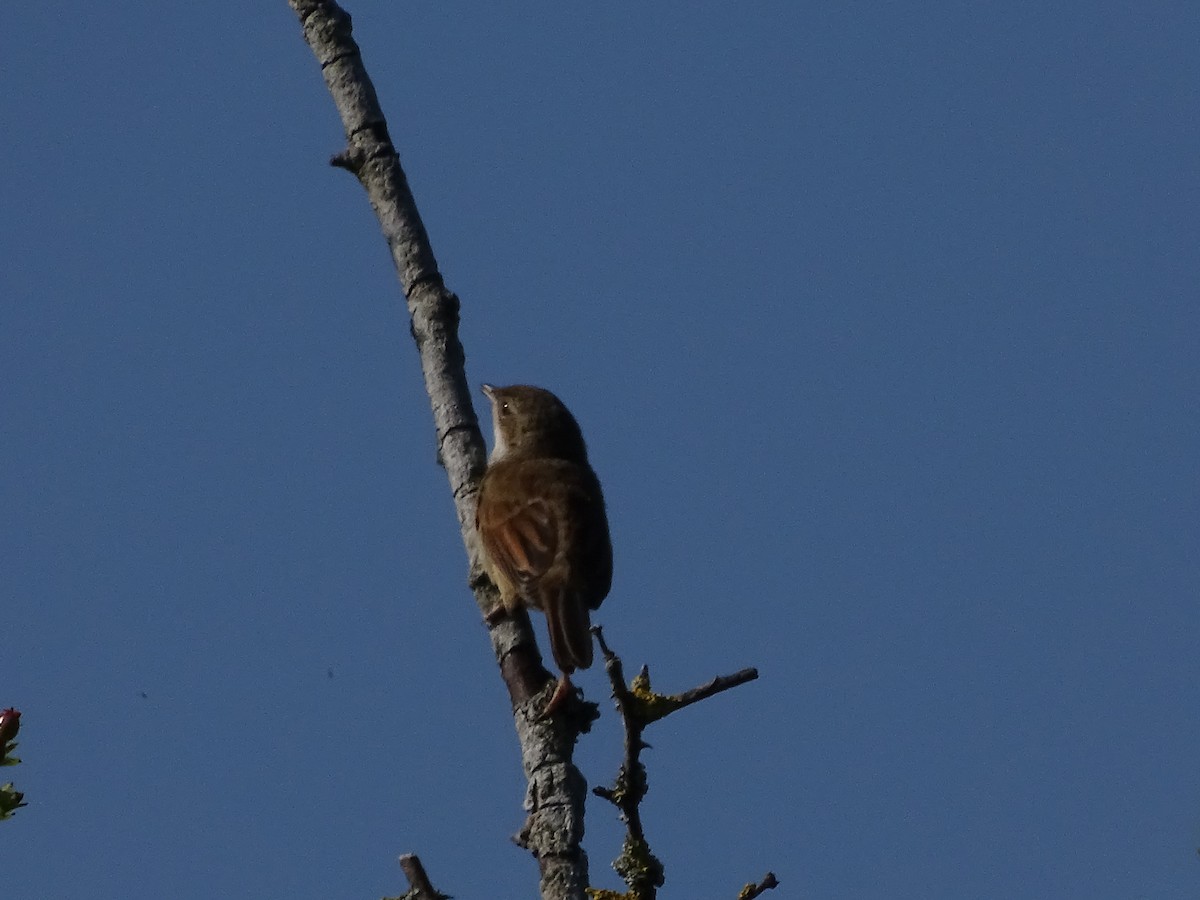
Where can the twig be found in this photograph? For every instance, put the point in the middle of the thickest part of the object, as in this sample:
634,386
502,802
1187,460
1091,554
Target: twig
639,706
631,781
418,881
716,686
750,891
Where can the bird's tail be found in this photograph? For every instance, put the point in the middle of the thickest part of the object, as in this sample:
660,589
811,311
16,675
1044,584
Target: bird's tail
570,625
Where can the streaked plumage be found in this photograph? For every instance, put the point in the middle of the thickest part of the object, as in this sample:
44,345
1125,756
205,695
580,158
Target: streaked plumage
542,520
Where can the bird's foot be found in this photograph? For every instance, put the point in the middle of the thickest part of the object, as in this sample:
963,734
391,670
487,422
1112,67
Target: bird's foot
562,693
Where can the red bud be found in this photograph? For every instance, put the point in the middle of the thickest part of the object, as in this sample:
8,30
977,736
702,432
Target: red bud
10,724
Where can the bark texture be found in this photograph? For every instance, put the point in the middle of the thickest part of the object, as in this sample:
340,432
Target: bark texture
555,796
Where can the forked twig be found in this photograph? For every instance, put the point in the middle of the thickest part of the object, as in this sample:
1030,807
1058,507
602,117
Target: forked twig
639,706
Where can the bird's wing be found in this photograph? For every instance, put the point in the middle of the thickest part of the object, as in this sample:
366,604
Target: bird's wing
591,550
521,537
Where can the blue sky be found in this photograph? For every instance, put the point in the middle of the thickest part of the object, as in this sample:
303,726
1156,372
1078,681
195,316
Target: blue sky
881,322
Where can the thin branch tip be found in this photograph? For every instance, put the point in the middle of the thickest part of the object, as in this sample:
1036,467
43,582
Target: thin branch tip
598,631
418,882
750,891
347,159
718,685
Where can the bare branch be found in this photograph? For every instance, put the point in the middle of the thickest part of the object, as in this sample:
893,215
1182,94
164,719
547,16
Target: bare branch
418,881
639,706
716,686
750,891
556,791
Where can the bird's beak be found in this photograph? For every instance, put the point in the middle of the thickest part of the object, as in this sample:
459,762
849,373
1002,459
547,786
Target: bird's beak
487,390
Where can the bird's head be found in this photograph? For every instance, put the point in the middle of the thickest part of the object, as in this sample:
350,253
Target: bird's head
531,422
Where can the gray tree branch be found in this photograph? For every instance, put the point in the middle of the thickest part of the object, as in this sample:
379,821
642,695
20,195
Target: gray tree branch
554,799
640,706
419,886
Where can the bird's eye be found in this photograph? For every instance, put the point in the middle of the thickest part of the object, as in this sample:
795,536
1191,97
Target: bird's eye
504,410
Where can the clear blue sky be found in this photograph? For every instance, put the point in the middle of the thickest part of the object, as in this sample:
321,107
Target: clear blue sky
881,322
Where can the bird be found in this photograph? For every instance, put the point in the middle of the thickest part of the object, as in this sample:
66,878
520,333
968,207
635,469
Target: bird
542,523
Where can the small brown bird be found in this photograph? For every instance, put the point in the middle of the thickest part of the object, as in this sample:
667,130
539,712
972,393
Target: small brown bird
542,522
